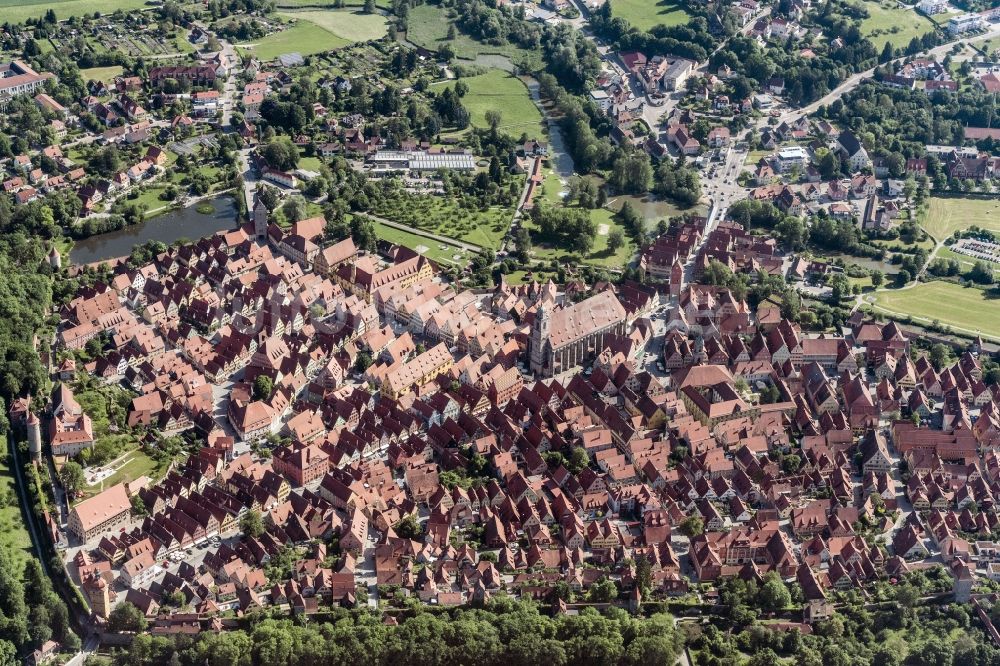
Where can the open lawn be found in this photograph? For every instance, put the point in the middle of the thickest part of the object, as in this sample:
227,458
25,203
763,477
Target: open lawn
434,250
887,22
151,197
17,11
966,308
926,243
946,215
499,91
305,38
354,26
428,27
310,163
755,156
100,73
14,537
599,255
130,467
644,14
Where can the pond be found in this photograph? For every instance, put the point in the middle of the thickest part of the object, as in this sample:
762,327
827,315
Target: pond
166,228
652,208
495,61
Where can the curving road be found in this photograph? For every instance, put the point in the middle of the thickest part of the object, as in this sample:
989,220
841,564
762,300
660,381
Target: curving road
851,83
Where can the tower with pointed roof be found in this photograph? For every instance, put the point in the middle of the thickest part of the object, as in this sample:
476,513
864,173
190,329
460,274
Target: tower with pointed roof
540,332
98,595
676,279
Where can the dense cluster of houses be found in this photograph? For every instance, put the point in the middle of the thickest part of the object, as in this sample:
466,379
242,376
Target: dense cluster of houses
118,107
520,422
447,381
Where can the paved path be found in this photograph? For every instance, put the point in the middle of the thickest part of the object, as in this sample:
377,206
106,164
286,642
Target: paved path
520,203
249,179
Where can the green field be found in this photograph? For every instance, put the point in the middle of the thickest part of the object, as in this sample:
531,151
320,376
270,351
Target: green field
888,23
17,11
134,465
644,14
105,74
350,25
428,27
306,37
431,249
965,308
652,209
14,535
310,163
499,91
946,215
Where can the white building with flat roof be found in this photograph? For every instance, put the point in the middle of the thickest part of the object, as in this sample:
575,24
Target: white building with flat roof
602,99
421,161
960,25
931,7
791,157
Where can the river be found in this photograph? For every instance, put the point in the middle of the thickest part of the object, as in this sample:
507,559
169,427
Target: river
166,228
559,158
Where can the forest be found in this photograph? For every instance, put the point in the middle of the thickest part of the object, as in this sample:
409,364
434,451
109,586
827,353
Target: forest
901,632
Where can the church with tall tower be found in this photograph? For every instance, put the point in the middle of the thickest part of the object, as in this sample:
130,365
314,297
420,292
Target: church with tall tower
566,337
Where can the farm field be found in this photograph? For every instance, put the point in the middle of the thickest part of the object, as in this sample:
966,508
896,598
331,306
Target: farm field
644,14
18,11
352,26
946,215
967,308
888,23
500,91
304,38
